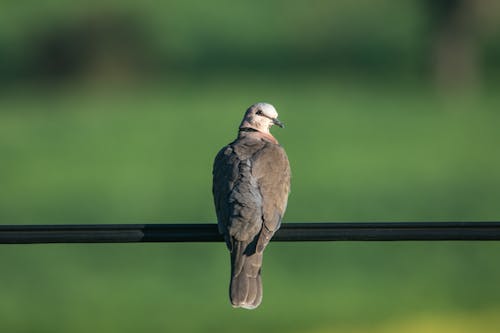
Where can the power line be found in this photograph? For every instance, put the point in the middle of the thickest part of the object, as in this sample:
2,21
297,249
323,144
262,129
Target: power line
354,231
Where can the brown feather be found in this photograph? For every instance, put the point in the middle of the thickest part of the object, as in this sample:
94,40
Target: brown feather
251,182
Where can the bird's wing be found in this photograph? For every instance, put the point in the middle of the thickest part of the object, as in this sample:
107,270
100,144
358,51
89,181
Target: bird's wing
272,170
251,181
225,172
237,196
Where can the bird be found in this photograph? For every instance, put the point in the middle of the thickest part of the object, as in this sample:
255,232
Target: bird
251,184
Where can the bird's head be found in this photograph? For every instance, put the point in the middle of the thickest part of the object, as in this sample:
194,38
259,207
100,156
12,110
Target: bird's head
261,117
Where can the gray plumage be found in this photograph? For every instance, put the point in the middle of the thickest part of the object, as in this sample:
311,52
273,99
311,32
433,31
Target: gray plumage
251,182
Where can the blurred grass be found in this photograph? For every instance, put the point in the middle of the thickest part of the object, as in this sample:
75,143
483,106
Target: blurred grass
358,152
443,323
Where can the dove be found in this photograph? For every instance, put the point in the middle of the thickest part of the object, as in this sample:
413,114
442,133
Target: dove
251,183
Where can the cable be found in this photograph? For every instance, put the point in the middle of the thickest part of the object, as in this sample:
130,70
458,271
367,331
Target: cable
354,231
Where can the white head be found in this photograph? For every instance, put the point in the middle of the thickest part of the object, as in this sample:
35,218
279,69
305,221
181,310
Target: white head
260,117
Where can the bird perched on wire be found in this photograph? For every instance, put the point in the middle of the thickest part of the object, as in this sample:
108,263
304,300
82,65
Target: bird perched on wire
251,182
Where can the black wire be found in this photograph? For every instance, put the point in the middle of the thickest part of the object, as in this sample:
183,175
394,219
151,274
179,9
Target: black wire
129,233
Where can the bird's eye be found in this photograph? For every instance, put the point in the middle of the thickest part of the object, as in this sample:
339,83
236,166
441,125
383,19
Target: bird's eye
259,112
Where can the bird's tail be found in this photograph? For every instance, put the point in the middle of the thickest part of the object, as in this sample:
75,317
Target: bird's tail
245,290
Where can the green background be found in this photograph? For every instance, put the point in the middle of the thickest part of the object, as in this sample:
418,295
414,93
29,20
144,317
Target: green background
369,137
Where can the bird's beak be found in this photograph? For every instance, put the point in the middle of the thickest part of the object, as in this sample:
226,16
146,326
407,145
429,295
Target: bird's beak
278,123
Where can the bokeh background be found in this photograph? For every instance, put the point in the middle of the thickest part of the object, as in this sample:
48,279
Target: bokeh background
112,112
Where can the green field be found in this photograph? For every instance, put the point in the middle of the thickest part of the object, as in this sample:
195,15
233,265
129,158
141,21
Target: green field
370,152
